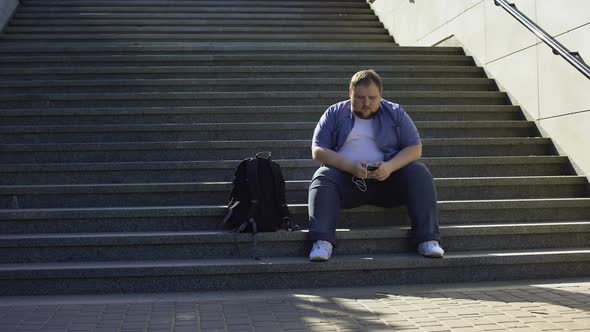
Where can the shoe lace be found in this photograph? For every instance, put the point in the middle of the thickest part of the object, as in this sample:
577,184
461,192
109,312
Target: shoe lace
431,244
321,245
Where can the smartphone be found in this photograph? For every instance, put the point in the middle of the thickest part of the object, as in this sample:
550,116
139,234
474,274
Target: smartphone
372,167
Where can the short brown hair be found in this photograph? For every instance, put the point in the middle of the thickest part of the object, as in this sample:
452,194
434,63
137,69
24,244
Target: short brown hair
364,77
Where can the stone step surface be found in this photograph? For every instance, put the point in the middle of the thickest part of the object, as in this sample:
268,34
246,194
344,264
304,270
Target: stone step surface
86,247
167,9
248,60
242,131
237,85
215,72
235,150
243,114
217,48
90,30
293,169
278,98
192,37
209,217
110,21
229,3
286,272
245,15
216,193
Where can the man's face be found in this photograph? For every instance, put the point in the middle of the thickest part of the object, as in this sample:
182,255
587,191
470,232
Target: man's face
366,100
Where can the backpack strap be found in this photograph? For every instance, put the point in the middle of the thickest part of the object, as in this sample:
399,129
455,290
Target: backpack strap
279,184
253,184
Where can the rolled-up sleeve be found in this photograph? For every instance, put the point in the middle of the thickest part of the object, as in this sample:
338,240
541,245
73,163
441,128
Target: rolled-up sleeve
408,132
323,133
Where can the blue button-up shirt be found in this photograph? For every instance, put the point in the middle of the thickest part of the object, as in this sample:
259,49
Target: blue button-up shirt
394,130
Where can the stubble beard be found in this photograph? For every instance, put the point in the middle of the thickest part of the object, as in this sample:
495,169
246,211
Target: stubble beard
364,115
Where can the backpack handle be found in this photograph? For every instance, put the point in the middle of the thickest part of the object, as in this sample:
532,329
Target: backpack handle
263,154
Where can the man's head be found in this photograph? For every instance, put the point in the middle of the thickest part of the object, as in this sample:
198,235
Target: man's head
365,92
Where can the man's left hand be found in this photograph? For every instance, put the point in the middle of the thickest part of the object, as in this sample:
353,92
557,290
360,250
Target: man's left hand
381,173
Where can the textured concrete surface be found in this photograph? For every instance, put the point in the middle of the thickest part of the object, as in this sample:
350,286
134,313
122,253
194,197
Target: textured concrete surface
516,306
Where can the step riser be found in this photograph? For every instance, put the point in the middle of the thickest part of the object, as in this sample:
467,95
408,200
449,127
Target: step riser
250,60
14,41
292,173
137,51
59,74
238,88
108,62
11,157
40,119
55,102
197,282
348,219
155,52
96,21
294,196
260,17
198,37
90,31
184,9
206,135
298,3
32,253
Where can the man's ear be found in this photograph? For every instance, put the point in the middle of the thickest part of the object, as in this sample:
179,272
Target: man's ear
350,93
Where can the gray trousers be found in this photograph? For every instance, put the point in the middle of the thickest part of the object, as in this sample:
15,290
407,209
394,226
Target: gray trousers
332,189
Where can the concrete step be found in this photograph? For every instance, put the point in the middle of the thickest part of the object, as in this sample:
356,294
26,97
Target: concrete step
89,30
243,114
224,48
137,3
209,217
333,16
227,72
278,99
165,8
288,272
217,193
242,131
235,150
195,37
211,171
130,246
226,22
235,84
242,59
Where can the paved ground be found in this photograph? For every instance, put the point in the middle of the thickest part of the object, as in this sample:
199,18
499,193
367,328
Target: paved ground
513,306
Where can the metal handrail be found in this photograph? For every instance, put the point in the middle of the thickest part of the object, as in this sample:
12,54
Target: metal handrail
573,58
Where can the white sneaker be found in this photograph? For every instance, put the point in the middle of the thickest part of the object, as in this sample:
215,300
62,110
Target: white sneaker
321,251
431,249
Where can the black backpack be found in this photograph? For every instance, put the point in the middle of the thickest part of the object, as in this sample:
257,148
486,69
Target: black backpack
257,202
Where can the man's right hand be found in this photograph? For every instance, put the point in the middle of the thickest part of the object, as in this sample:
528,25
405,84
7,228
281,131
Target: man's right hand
360,170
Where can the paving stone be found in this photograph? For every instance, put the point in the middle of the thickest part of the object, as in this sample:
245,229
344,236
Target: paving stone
185,329
437,328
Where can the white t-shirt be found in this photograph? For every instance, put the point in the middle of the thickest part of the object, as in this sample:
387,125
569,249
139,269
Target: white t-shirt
360,145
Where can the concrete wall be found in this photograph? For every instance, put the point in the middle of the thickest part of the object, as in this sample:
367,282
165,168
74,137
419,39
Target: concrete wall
549,90
7,7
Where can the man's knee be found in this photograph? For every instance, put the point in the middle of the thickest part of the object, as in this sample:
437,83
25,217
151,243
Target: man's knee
326,175
416,170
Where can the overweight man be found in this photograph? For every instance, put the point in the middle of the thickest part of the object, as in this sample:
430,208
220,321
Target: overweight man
368,148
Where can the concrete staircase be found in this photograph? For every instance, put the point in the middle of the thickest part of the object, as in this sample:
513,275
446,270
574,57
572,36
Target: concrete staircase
121,123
